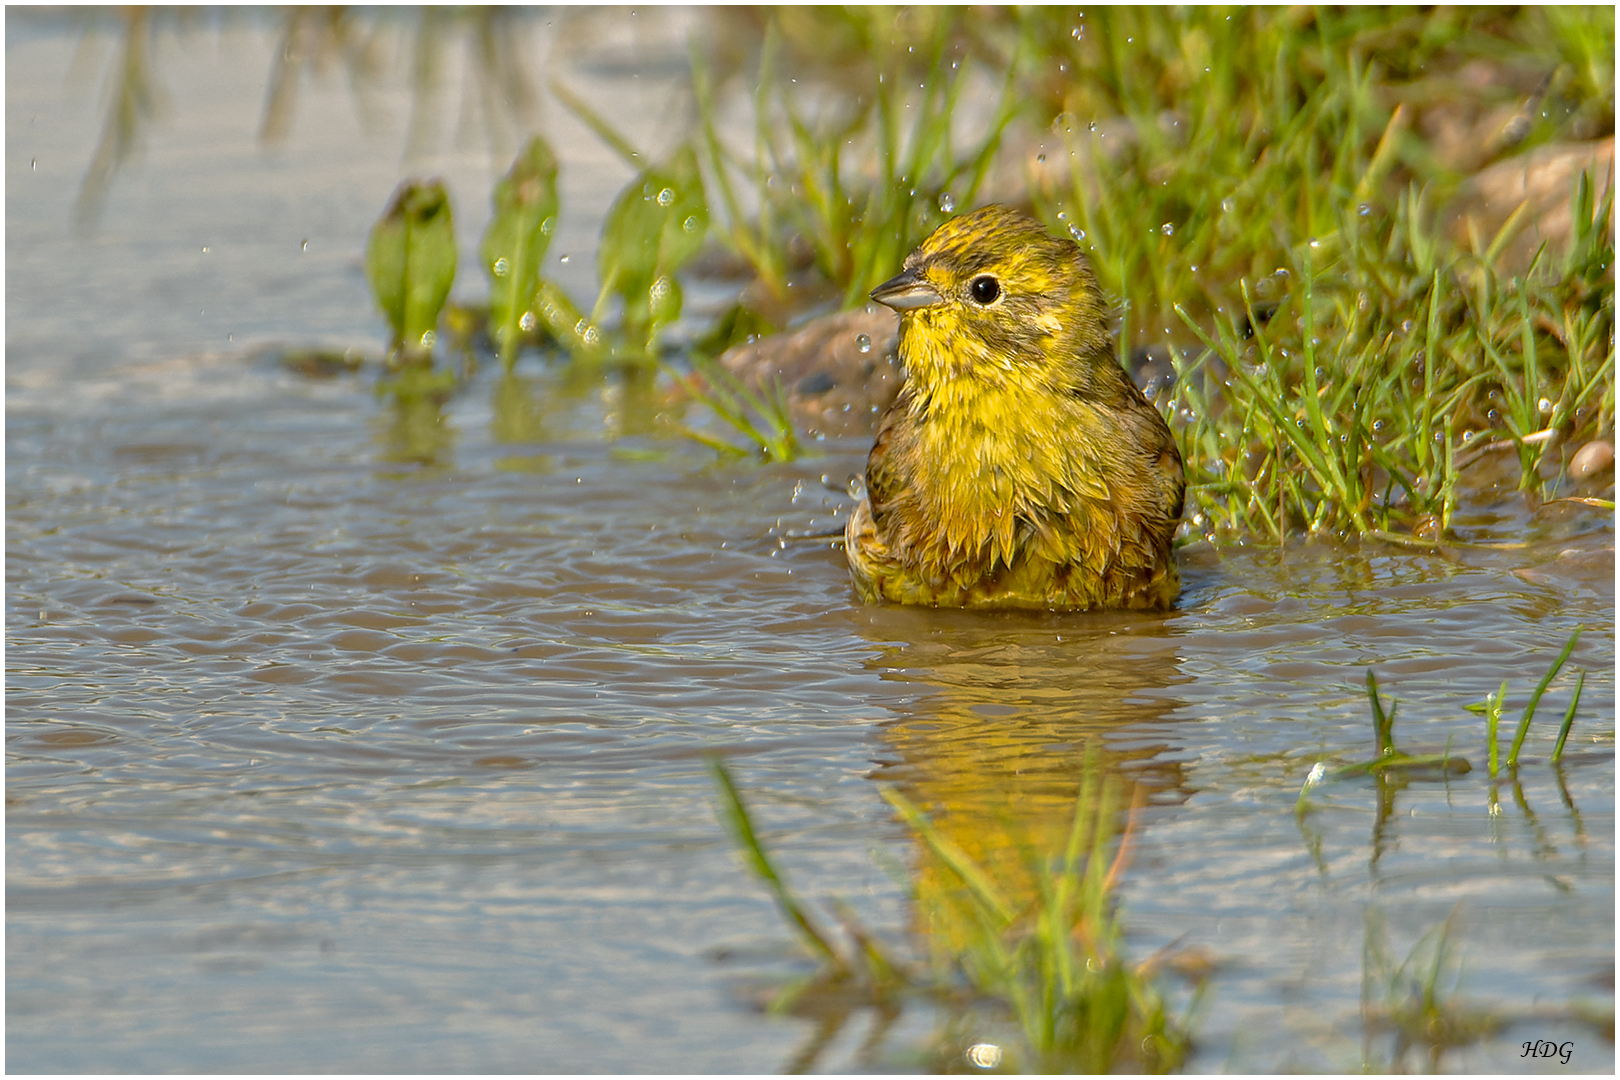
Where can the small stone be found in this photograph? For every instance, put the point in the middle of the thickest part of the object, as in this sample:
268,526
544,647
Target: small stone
1591,459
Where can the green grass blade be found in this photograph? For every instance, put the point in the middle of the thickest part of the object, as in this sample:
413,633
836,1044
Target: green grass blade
737,820
1383,725
1569,719
1535,698
959,862
1493,717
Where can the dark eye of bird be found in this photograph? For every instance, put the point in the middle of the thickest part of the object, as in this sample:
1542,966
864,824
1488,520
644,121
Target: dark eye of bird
985,289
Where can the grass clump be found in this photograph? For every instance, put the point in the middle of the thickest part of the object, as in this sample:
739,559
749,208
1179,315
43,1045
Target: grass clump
860,178
1279,186
1052,963
1492,708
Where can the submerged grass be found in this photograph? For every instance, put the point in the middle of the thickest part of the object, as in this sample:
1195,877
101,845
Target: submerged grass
1052,963
1390,760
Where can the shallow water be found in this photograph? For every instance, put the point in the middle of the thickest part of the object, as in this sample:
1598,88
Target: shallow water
322,761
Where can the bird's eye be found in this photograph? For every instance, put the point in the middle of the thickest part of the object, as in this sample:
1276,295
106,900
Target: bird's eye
985,289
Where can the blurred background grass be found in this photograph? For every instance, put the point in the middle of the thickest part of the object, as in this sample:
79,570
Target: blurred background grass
1362,257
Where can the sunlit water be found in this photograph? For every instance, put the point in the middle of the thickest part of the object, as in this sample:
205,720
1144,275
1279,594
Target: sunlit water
320,761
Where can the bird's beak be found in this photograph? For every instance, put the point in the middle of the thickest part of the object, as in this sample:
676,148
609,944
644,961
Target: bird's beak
906,291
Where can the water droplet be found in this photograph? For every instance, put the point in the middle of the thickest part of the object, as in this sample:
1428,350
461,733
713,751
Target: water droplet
1040,159
1063,215
1315,243
983,1055
946,203
1364,209
547,225
1407,325
1168,229
691,224
502,267
1228,205
666,197
527,323
1545,405
1077,232
863,343
1194,268
564,258
1092,126
428,338
205,249
305,246
1466,435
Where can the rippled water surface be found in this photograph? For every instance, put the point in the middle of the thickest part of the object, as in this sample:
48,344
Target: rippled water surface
322,761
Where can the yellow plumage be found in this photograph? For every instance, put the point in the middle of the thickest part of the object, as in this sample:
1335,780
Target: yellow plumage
1020,466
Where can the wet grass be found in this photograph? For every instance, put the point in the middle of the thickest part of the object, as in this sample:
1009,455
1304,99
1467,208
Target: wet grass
1288,206
1389,760
1049,967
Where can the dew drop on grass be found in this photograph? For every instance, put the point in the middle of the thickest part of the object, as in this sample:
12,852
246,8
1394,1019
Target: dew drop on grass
1168,229
501,267
666,197
563,258
1077,232
1040,159
1364,209
1545,406
1407,325
946,203
527,323
863,343
1228,205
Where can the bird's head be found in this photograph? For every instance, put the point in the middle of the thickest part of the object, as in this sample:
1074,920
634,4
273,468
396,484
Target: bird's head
993,297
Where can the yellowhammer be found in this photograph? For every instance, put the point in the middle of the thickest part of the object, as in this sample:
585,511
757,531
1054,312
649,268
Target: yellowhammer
1020,466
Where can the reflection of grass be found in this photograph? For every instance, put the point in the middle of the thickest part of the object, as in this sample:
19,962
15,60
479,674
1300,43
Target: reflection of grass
1053,962
1409,1000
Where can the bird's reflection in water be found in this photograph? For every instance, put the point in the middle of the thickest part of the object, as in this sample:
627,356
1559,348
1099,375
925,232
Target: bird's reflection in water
993,719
